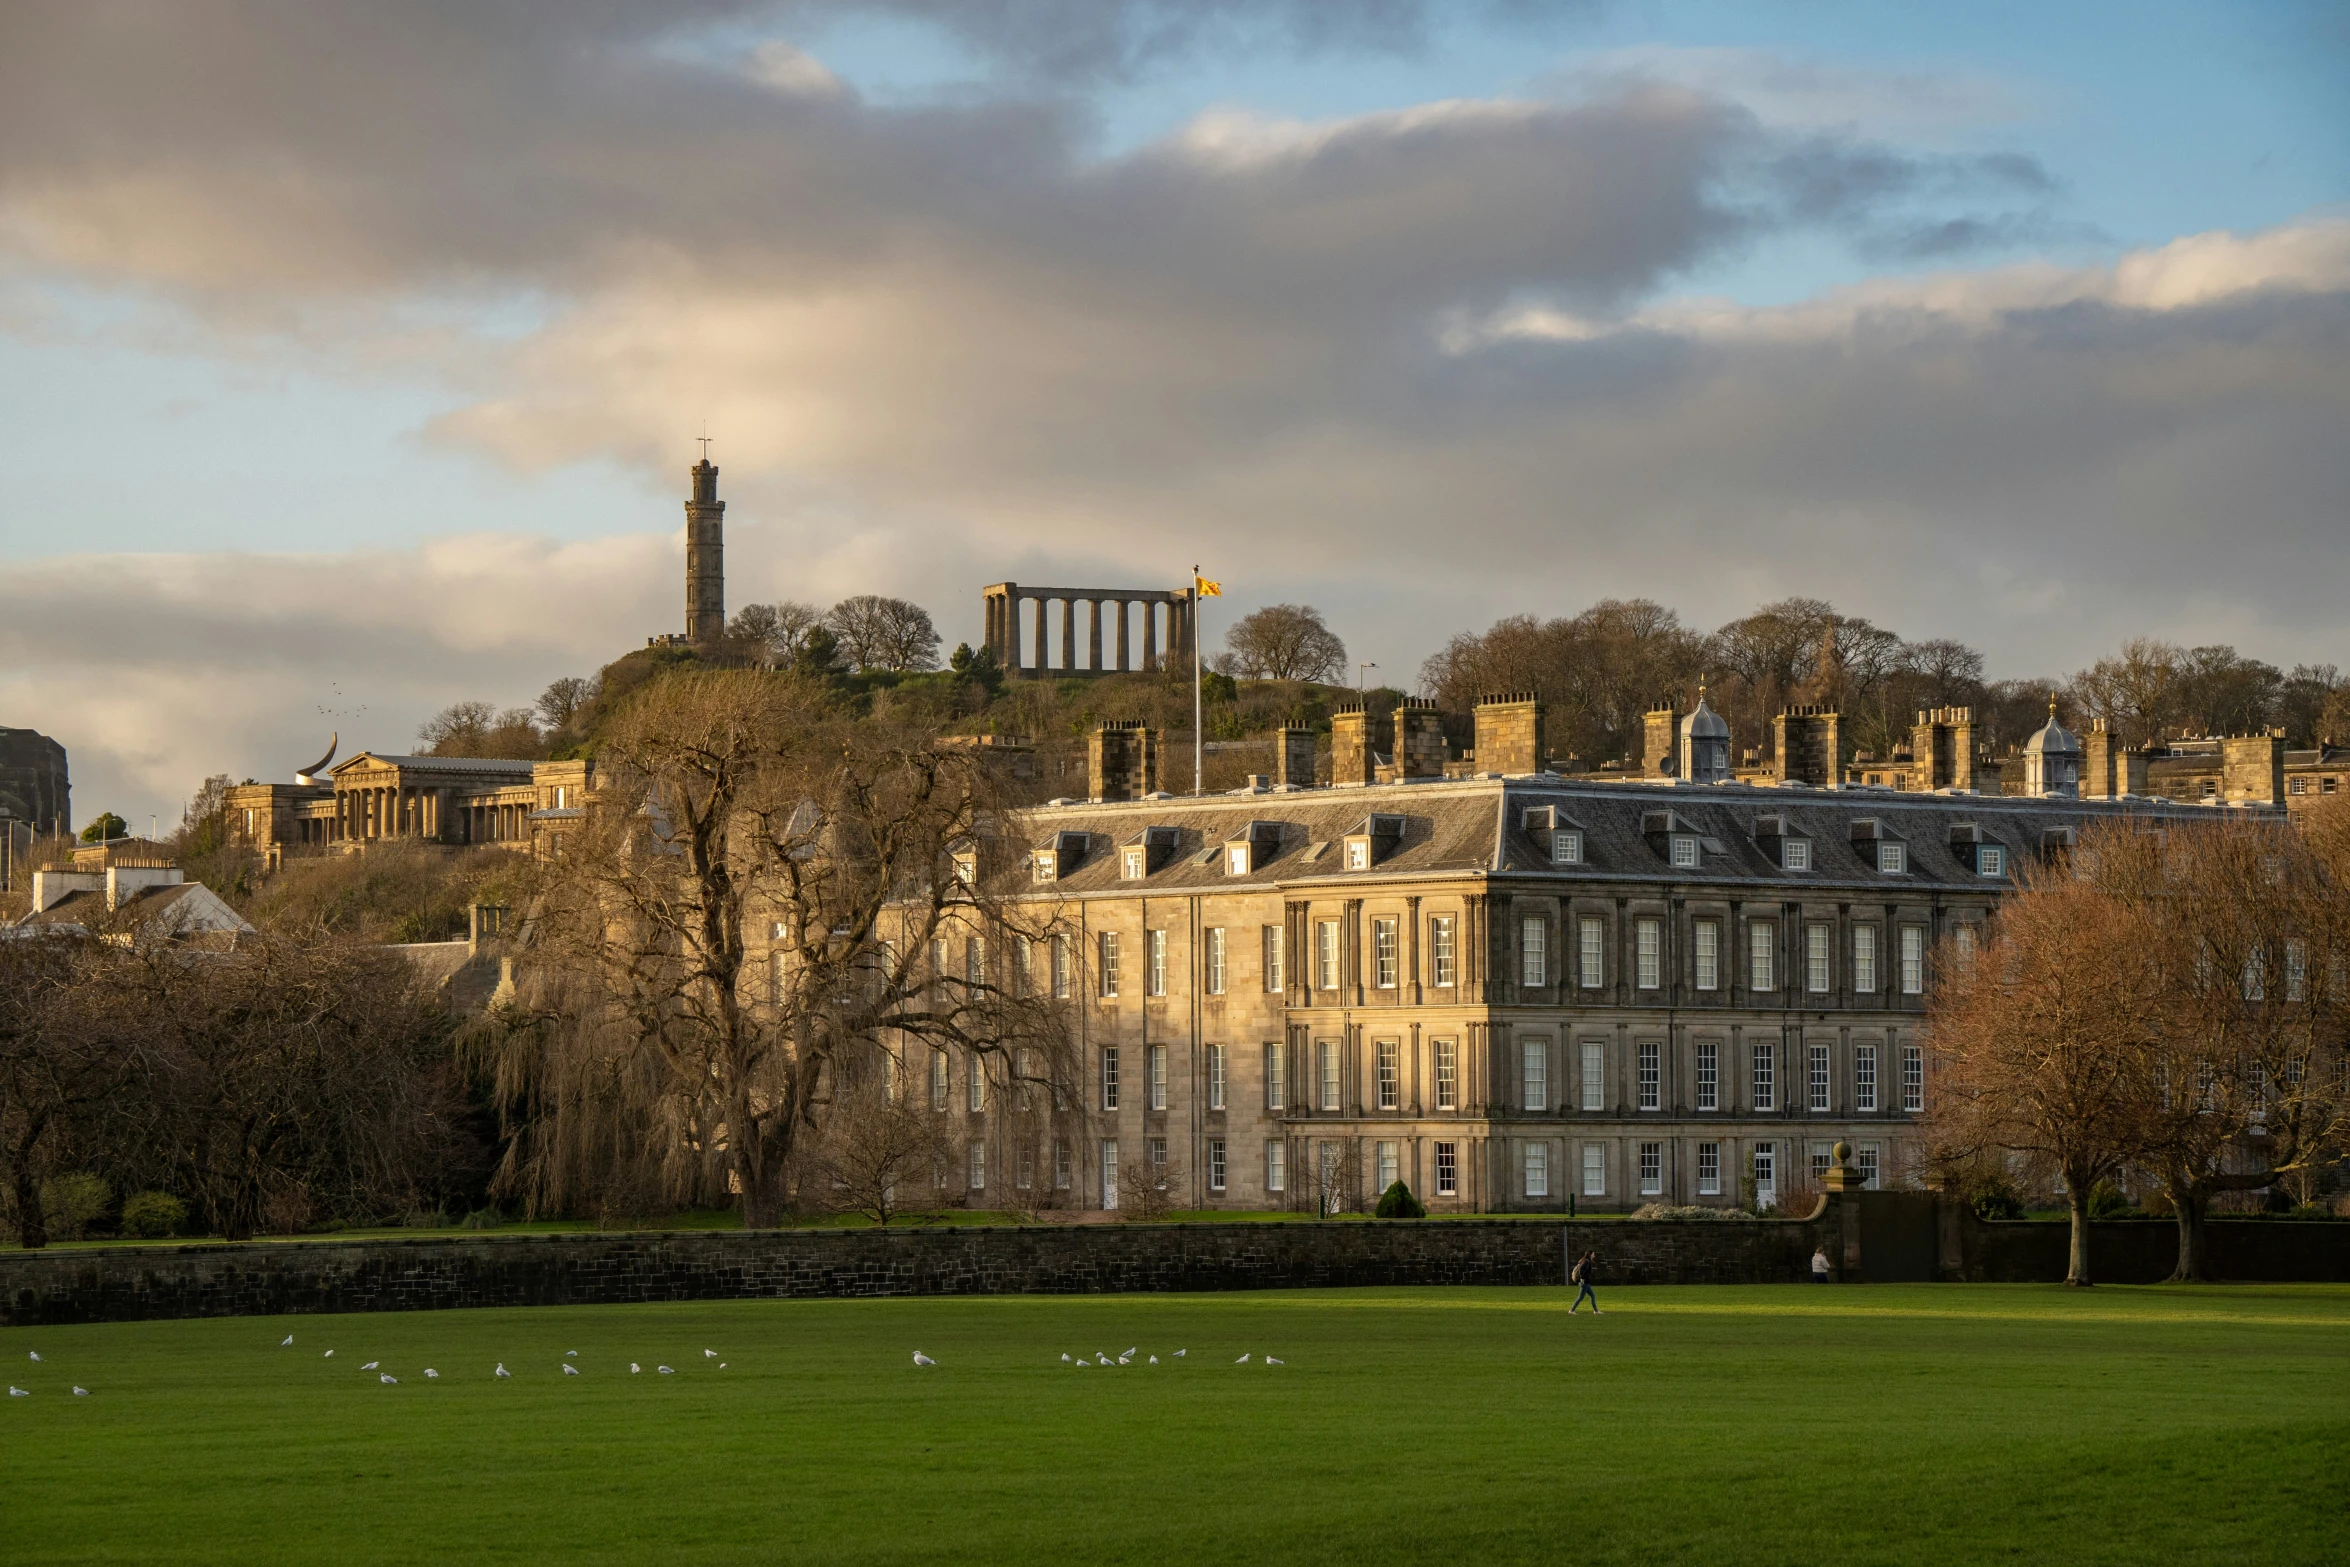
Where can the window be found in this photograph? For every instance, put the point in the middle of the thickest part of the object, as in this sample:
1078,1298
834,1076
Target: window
1913,1079
1592,935
1215,960
1440,952
1023,965
2329,785
966,865
1766,1087
1962,942
1815,958
1652,1169
975,1167
1764,1161
1566,847
1155,976
1215,1164
938,1081
1275,981
1709,1169
1215,1077
1817,1081
975,1085
1448,1074
1534,1074
1358,855
1913,959
938,963
1109,962
1990,860
1024,1071
1276,1078
1061,967
1648,951
1866,1156
1864,959
1706,943
1387,1164
1236,859
1326,1065
1158,1077
1651,1075
1823,1159
1384,954
1110,1174
1137,863
1326,955
2210,787
2296,969
1709,1074
1390,1078
974,961
1048,865
1537,1164
1276,1167
2297,786
1762,941
1594,1075
1864,1077
1795,854
1024,1174
1892,857
1594,1170
1684,852
1064,1167
1533,953
1157,1149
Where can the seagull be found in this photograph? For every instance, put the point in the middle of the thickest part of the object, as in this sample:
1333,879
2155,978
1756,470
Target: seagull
921,1359
1270,1361
1179,1354
329,1355
1242,1361
428,1371
502,1371
81,1392
571,1371
388,1380
570,1354
1083,1363
1126,1359
1154,1360
17,1392
371,1365
709,1354
722,1365
289,1338
1129,1350
634,1368
1064,1357
36,1354
665,1371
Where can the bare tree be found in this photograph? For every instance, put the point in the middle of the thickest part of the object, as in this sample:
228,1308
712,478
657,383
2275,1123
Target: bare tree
563,700
863,852
480,730
1149,1190
772,634
875,1143
2043,1043
1284,642
884,633
55,1069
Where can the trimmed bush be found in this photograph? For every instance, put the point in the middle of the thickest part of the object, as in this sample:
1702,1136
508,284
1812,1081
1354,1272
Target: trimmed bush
1397,1202
1996,1202
153,1215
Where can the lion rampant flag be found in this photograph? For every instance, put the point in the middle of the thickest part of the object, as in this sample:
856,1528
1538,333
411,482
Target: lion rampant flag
1206,589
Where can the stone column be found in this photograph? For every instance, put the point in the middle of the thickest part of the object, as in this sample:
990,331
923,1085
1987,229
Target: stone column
1042,666
1123,642
1093,635
1150,635
1011,647
1069,636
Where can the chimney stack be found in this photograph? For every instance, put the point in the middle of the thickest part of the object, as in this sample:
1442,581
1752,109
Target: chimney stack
1293,756
1420,748
1660,743
2252,769
1509,733
1354,746
1942,748
1122,760
1807,745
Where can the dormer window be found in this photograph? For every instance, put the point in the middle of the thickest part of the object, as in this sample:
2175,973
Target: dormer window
1684,851
1892,857
967,868
1236,859
1795,854
1990,860
1136,863
1358,854
1566,847
1048,865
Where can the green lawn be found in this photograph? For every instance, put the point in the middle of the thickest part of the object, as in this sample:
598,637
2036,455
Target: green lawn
1788,1424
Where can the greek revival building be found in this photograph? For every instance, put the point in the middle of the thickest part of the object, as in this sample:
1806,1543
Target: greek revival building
1510,990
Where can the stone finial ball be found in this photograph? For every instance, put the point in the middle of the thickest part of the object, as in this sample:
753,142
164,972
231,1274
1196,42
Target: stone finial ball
1843,1152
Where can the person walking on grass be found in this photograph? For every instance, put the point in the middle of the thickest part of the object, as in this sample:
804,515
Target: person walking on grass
1819,1265
1586,1273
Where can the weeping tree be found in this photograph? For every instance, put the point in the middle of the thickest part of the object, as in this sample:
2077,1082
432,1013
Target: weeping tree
56,1072
774,904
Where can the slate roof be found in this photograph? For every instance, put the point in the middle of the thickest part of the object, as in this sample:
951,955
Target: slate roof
1471,826
442,764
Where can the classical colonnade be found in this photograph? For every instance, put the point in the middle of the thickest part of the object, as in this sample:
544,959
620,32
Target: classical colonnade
366,812
1173,610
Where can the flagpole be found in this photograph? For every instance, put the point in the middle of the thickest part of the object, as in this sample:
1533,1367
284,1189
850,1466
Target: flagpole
1199,748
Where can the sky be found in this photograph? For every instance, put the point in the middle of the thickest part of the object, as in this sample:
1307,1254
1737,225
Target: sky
352,356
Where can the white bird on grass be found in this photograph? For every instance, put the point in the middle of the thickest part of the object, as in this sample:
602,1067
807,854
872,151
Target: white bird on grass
709,1354
1064,1357
1129,1351
289,1338
666,1371
722,1365
570,1354
17,1392
1154,1360
1179,1354
371,1365
921,1359
1125,1360
1270,1361
81,1392
428,1371
329,1355
502,1371
634,1368
571,1371
1242,1361
1085,1363
36,1354
388,1380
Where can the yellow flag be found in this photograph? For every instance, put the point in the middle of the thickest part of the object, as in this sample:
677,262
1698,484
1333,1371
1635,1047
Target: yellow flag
1207,589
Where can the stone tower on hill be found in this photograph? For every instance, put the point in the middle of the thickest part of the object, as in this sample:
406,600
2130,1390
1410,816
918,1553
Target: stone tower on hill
705,557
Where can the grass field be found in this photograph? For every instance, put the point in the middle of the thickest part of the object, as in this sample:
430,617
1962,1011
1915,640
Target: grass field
1853,1425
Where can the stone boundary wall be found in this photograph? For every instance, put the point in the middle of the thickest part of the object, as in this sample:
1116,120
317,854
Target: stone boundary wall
127,1283
130,1283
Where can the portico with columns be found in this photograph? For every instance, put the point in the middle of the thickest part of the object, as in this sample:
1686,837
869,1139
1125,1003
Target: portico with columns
1172,612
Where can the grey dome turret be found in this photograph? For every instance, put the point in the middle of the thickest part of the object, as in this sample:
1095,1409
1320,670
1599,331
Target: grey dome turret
2052,759
1705,744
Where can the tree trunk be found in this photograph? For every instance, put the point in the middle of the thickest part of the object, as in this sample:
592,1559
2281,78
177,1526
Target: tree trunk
2186,1200
32,1224
758,1166
2076,1197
